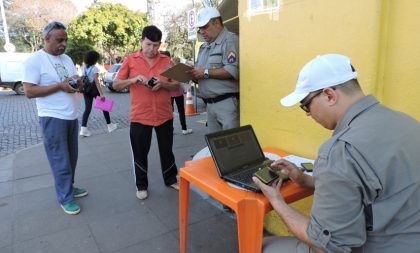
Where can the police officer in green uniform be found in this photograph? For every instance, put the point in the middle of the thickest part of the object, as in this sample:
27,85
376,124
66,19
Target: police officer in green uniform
217,71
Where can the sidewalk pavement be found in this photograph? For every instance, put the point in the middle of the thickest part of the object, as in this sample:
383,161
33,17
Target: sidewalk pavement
112,218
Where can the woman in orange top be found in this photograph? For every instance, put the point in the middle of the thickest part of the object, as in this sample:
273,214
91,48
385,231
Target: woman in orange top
151,108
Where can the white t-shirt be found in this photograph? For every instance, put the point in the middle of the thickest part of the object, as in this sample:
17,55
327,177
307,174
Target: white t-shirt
90,72
44,69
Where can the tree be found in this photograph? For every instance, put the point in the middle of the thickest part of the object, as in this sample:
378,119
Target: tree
211,3
177,39
28,18
176,28
109,28
78,51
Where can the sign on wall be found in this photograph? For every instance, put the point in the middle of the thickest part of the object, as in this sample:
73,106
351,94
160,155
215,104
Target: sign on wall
256,7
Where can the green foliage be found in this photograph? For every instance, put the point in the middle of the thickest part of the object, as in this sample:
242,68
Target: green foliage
24,37
77,51
177,39
111,28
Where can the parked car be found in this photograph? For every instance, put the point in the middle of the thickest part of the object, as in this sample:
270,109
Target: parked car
11,67
110,76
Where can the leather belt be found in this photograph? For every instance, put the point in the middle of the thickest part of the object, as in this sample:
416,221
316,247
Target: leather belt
220,98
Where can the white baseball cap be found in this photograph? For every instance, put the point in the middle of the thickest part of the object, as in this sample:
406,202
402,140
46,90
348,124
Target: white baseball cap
205,14
321,72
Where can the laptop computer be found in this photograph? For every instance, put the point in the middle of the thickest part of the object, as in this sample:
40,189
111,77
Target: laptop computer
237,155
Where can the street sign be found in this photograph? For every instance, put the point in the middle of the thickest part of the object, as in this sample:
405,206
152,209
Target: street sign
192,31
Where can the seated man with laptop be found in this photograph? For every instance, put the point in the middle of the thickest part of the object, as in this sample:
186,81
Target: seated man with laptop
366,179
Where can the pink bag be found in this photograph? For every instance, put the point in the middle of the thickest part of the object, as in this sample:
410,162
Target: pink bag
105,105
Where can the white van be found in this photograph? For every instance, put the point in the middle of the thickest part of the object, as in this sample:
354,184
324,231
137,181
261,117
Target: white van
11,67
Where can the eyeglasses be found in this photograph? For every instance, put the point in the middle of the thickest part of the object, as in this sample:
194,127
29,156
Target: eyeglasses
53,25
305,105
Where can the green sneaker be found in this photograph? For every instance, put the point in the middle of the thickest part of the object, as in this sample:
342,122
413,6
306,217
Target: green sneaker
79,192
71,208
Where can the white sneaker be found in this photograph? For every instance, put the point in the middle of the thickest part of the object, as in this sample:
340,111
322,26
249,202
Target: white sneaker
141,195
175,186
112,127
188,131
85,132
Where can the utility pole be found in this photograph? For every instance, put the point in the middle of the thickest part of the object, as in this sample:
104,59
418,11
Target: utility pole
193,42
9,47
3,16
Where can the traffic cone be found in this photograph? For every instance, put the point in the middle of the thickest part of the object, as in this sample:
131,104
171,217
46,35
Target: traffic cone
189,105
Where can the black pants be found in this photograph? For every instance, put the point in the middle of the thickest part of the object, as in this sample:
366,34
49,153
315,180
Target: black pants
141,138
88,109
181,110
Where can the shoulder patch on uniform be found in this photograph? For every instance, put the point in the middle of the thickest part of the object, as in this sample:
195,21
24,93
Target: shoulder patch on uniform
231,57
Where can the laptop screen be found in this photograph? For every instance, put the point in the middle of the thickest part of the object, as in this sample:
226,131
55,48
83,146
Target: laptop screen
234,149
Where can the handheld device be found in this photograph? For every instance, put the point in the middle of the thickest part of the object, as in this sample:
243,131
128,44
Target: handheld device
307,166
73,84
266,175
152,82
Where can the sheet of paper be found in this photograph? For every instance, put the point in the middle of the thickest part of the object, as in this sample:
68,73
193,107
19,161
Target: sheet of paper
297,160
177,73
272,156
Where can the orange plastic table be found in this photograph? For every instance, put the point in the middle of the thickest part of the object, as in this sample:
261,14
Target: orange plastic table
250,207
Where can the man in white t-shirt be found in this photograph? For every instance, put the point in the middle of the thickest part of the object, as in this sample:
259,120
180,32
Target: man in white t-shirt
51,77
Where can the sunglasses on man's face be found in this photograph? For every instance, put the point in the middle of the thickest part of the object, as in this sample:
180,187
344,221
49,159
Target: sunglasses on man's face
305,104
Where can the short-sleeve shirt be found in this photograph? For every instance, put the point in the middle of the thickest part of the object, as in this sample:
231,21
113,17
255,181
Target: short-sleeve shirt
177,93
221,53
44,69
90,72
367,183
148,107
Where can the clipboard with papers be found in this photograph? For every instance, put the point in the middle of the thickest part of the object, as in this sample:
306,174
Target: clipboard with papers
178,73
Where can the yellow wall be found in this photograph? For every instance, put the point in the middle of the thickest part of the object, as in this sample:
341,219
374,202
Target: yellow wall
381,38
401,54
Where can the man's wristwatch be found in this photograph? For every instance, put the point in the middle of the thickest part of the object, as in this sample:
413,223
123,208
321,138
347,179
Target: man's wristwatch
206,74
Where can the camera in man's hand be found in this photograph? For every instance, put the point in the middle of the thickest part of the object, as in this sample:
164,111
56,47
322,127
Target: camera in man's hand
152,82
73,84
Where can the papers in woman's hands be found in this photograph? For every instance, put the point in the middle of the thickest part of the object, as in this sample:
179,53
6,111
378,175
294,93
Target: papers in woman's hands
178,73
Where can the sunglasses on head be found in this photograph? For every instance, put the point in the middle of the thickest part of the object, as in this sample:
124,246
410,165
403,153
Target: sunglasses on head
53,25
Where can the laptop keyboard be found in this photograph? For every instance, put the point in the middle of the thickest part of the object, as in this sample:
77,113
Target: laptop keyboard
245,176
